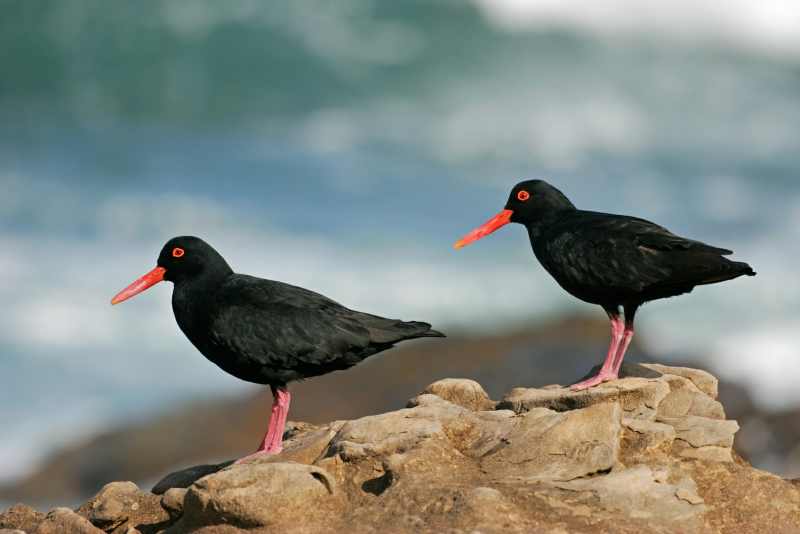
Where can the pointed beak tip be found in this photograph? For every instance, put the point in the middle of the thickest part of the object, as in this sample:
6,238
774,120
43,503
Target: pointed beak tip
490,226
142,283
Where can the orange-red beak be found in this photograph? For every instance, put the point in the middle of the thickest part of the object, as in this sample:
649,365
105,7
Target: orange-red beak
149,280
490,226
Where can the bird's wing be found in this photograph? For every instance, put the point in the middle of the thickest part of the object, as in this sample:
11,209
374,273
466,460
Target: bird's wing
628,253
648,234
271,322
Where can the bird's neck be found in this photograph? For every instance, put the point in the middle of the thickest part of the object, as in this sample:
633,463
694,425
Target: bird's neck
191,297
536,227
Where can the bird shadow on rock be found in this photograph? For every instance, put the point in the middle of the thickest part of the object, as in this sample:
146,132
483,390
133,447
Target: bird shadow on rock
628,370
186,477
377,486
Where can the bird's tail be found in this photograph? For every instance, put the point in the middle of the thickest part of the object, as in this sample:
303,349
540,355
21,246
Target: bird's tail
744,268
383,330
401,330
729,271
428,330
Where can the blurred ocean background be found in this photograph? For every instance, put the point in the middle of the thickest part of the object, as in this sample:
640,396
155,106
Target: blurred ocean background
344,146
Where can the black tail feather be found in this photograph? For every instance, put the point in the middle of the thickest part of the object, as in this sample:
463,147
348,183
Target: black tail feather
433,333
382,330
746,269
415,329
729,271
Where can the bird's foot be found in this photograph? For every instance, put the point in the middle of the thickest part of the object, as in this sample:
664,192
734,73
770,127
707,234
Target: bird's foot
602,376
258,454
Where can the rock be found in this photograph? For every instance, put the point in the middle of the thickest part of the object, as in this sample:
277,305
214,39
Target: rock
704,381
432,420
461,392
308,446
638,397
710,453
651,435
678,397
640,454
303,443
21,517
703,432
685,398
114,504
257,494
642,493
120,507
547,445
385,434
172,501
65,521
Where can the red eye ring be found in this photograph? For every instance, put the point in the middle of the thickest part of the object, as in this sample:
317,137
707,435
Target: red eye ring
178,252
523,196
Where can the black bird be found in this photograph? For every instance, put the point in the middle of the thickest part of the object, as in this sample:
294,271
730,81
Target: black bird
264,331
611,260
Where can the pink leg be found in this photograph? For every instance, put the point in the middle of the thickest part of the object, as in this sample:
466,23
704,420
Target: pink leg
627,336
608,371
273,439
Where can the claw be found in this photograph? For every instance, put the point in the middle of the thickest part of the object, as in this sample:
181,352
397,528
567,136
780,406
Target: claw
594,381
255,455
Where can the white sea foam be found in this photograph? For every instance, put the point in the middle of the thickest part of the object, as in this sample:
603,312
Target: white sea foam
765,358
768,26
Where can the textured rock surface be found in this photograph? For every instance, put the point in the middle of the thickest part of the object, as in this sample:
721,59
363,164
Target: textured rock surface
548,445
65,521
261,494
20,517
120,507
648,453
463,392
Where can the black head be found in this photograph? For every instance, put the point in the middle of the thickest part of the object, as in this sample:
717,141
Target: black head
529,203
182,259
187,257
533,200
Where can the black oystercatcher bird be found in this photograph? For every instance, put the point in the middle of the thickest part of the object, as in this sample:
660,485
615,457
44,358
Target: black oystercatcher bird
611,260
263,331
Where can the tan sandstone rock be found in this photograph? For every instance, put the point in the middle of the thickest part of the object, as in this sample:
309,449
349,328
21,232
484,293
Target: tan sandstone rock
65,521
705,381
647,453
172,501
21,517
462,392
547,445
256,494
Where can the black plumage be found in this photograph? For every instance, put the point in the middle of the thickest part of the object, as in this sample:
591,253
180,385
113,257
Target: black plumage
274,333
264,331
615,261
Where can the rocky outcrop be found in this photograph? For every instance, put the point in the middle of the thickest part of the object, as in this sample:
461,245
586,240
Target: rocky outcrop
651,452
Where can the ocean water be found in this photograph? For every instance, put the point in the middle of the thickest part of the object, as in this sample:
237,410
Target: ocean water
344,147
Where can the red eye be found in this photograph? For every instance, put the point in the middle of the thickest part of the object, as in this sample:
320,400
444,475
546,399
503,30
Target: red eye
178,252
523,195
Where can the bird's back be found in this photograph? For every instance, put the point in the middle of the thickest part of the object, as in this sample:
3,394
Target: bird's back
613,259
269,332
